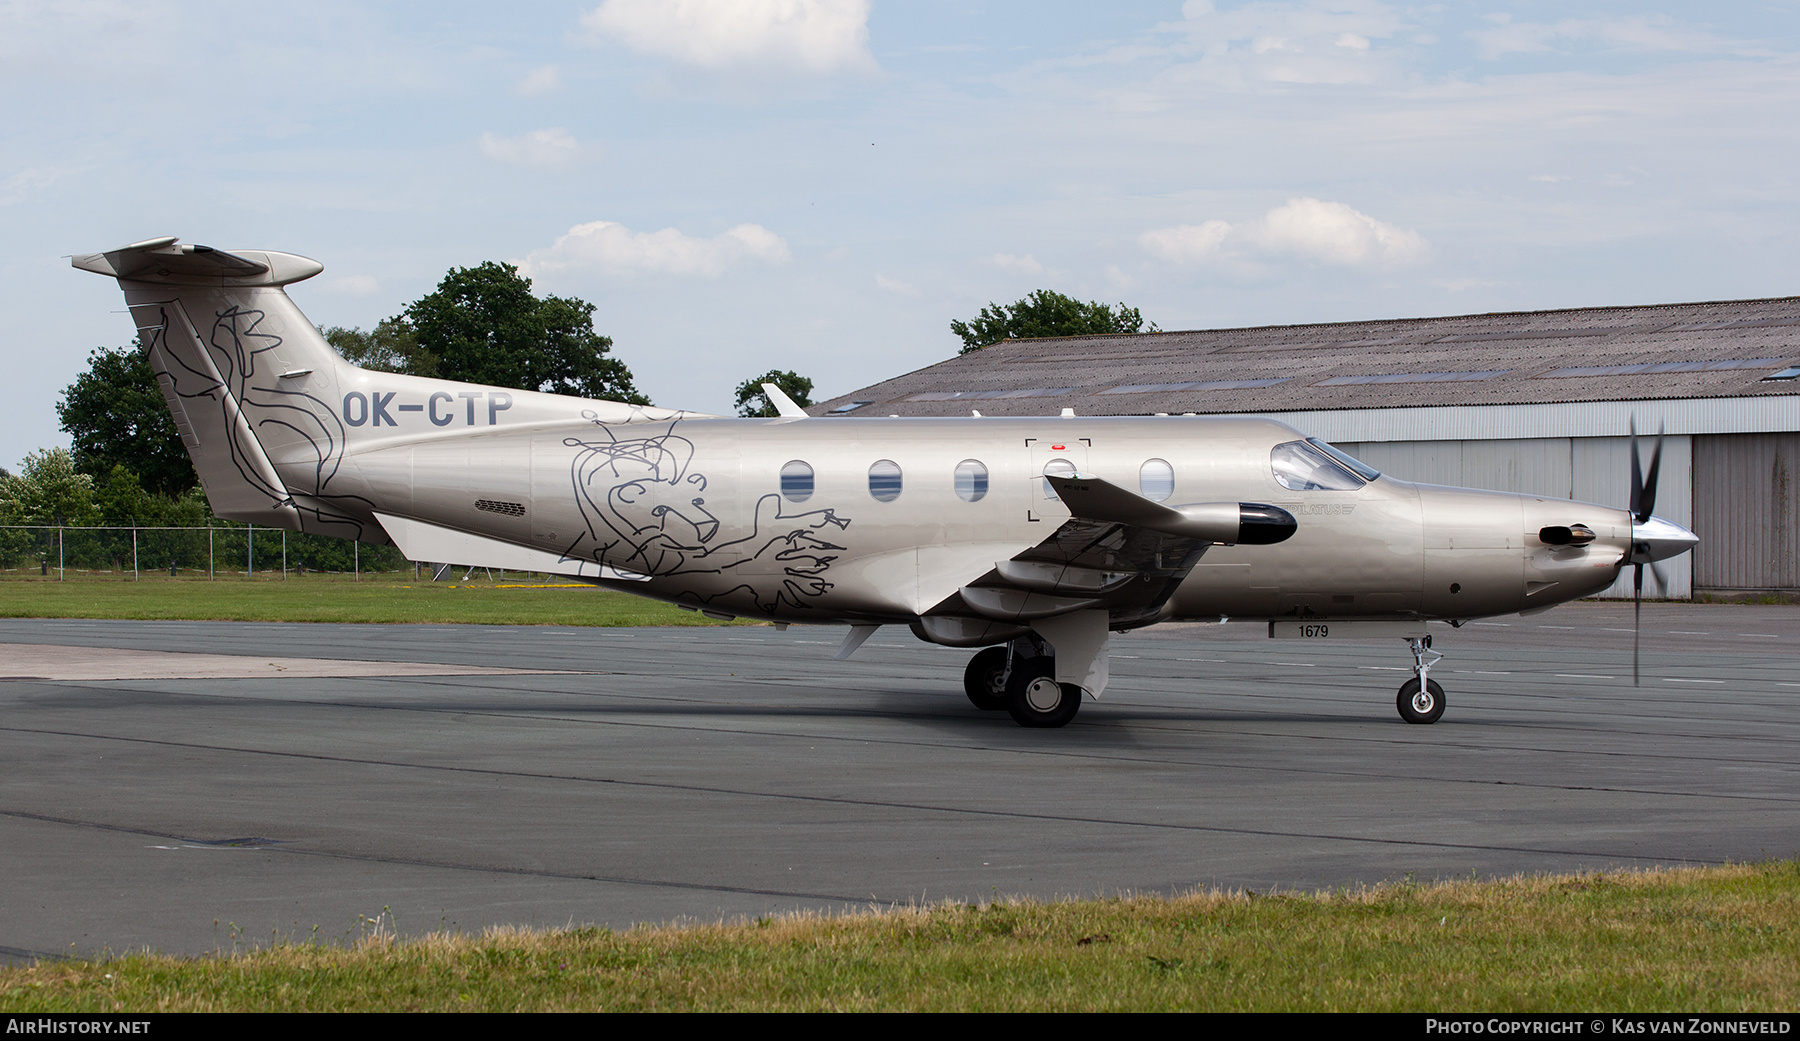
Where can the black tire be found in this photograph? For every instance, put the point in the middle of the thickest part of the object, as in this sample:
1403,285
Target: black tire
983,680
1420,707
1035,699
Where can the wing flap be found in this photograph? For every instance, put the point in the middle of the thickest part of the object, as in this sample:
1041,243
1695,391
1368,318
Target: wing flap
1118,551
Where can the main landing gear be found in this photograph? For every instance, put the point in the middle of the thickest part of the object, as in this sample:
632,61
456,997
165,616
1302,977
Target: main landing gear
1021,678
1421,699
984,681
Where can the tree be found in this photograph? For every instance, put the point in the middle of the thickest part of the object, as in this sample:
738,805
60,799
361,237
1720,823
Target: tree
752,403
392,346
115,415
48,490
1046,313
483,325
120,499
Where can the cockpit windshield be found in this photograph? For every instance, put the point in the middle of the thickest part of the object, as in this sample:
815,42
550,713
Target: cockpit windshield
1357,466
1312,465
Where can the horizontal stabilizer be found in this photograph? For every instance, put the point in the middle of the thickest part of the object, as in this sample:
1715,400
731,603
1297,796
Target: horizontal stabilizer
421,541
161,260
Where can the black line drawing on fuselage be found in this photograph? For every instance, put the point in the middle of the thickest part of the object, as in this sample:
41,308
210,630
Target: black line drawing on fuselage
645,511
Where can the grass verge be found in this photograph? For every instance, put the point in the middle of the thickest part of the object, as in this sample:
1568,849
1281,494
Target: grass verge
337,598
1706,939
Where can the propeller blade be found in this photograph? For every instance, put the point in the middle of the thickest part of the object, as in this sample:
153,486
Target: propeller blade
1637,474
1643,485
1649,505
1637,619
1643,505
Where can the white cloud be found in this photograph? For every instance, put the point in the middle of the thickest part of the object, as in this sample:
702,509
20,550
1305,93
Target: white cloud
1025,265
614,248
541,80
814,36
1314,41
1186,242
1324,231
27,183
1335,233
1637,33
552,146
894,285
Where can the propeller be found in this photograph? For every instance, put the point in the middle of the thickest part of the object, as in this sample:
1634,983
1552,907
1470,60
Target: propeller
1643,505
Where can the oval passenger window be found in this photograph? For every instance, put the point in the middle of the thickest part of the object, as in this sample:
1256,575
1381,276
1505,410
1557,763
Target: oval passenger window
884,480
796,481
1156,479
971,480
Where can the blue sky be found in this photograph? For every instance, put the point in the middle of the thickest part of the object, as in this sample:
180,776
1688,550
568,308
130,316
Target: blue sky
823,185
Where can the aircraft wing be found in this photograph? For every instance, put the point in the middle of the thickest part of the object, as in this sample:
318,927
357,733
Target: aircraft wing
1118,551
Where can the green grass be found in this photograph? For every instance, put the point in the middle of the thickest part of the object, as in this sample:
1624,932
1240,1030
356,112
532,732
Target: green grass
333,598
1710,939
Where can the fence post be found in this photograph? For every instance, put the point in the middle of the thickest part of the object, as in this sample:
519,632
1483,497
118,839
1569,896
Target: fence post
209,553
284,554
356,558
250,550
59,553
134,567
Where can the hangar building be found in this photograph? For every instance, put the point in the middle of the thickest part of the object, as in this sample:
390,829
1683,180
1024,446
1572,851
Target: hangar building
1535,401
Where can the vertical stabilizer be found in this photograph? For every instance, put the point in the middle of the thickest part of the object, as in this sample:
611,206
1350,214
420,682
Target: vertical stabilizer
248,380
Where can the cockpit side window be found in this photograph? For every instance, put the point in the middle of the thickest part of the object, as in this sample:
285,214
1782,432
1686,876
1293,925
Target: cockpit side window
1304,468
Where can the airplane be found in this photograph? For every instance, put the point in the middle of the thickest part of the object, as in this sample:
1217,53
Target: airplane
1033,538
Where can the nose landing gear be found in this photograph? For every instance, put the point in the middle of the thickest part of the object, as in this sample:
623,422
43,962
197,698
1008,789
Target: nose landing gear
1421,699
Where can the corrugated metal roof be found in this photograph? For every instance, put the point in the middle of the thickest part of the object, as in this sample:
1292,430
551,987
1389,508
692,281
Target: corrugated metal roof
1723,349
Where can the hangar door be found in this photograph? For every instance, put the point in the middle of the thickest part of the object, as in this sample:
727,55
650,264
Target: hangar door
1746,508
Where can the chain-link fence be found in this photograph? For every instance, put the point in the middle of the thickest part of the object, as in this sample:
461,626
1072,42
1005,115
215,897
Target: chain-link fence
70,551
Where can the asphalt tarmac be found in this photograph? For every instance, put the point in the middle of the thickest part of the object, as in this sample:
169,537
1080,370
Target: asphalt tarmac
244,782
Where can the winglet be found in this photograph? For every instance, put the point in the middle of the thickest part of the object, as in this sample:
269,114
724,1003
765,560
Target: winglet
784,405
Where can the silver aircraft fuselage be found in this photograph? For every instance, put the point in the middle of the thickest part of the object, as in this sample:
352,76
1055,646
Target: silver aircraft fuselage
1033,537
696,505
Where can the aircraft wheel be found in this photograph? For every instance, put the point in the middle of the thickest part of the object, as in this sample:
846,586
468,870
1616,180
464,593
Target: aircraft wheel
984,681
1420,706
1035,699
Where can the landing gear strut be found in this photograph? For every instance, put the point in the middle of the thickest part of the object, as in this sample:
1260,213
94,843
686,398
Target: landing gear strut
1421,699
984,681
